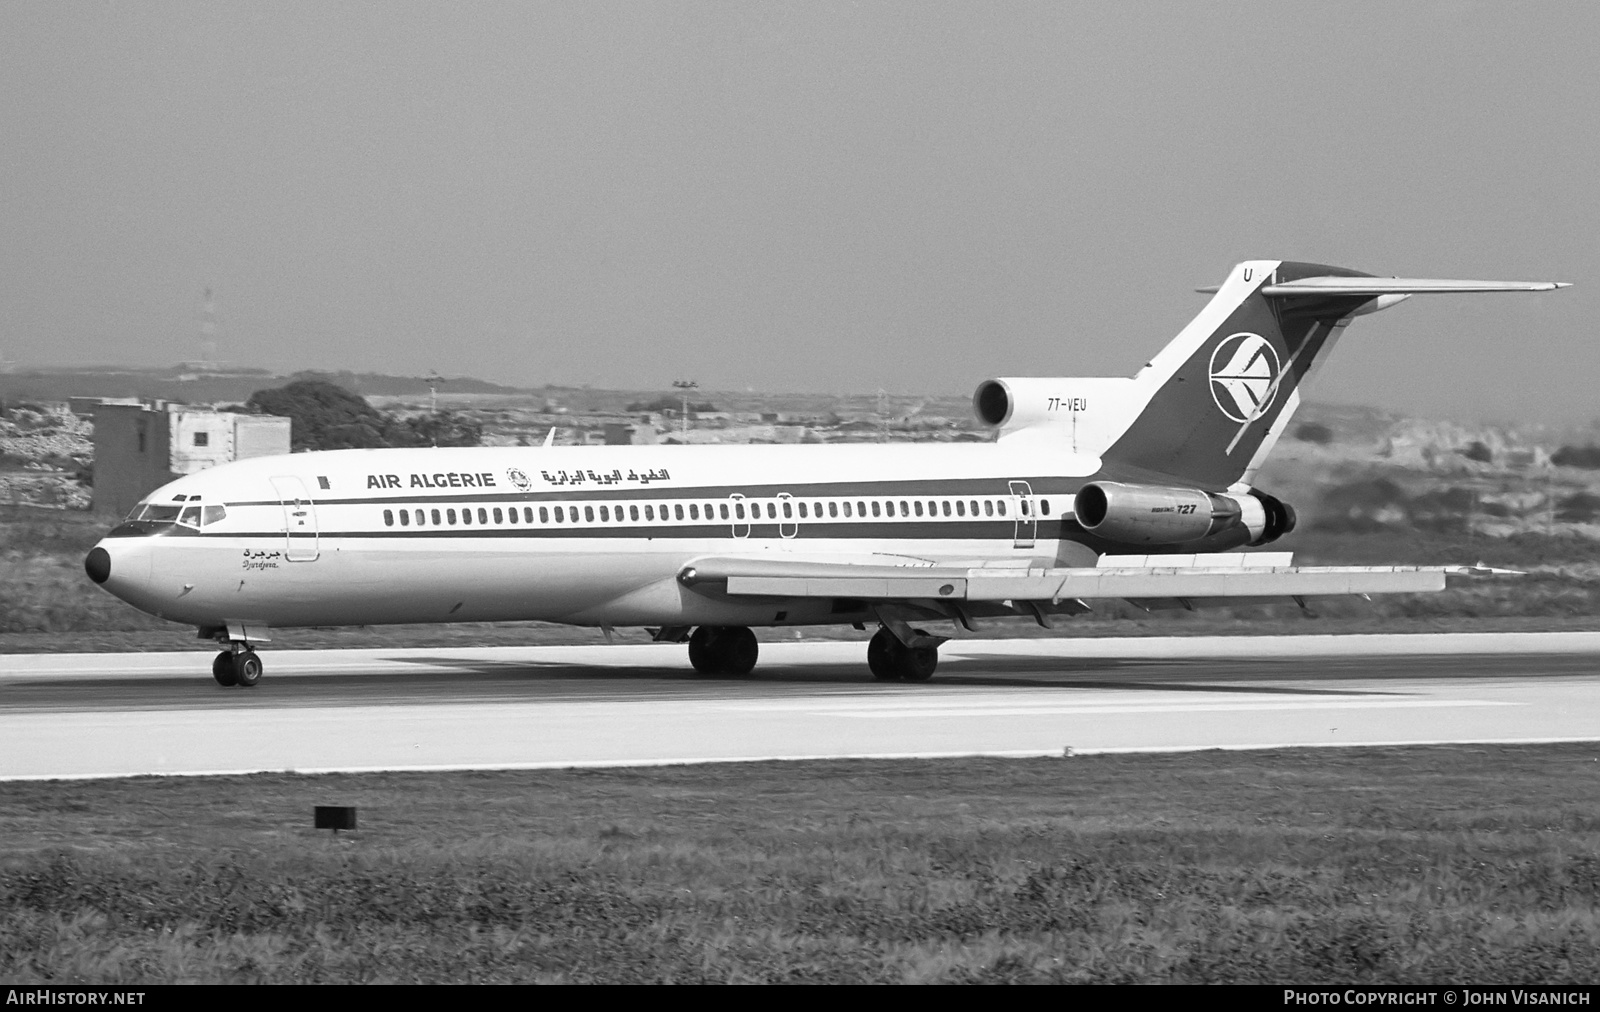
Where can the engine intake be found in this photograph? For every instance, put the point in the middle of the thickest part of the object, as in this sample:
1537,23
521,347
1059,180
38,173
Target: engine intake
1162,515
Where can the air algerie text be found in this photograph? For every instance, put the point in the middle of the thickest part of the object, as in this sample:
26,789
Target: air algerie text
446,479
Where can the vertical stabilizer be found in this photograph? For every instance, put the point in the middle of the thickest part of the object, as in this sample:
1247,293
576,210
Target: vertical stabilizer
1224,390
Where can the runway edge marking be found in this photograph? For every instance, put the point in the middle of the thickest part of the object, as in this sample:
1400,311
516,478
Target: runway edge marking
1065,752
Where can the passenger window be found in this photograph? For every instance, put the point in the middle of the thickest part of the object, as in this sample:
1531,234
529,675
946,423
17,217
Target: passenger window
903,511
723,509
436,518
633,513
450,517
946,507
961,508
803,512
1022,504
511,514
544,515
788,510
738,510
1044,506
933,508
499,518
988,508
605,514
772,511
1000,507
561,517
483,515
422,518
833,509
527,514
677,509
861,509
888,508
919,507
694,511
405,518
388,518
466,516
212,514
649,512
588,514
874,508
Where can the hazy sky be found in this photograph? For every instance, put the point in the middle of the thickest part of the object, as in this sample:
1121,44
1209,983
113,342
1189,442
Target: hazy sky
807,196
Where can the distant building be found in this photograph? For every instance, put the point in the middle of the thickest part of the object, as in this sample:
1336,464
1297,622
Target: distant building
629,434
140,447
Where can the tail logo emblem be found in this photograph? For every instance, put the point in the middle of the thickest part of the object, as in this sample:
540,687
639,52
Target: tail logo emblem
1244,372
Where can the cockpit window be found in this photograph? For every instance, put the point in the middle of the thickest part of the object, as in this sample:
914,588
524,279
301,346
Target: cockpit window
213,514
158,513
190,516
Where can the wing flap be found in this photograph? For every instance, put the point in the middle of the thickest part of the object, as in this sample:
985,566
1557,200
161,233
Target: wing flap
1136,577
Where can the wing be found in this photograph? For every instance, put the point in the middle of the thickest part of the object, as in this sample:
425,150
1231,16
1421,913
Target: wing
1189,579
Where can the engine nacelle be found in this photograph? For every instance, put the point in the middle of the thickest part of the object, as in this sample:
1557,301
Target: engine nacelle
1162,515
1014,403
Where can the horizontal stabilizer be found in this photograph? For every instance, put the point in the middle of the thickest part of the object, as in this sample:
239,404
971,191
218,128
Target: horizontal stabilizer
1403,286
1394,286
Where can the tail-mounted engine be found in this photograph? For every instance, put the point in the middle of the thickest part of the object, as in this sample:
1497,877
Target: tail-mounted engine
1159,515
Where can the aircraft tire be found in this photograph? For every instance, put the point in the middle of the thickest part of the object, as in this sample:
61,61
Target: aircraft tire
736,651
246,668
880,656
702,650
222,670
917,664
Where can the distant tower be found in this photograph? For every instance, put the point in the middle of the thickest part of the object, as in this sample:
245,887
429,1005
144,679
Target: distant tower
208,331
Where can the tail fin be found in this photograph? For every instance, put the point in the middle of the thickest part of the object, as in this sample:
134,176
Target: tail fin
1222,392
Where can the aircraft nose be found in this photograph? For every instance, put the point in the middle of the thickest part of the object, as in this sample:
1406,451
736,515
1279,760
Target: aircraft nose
98,564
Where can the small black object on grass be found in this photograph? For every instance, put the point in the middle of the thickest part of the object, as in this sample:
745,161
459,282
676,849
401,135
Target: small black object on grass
335,817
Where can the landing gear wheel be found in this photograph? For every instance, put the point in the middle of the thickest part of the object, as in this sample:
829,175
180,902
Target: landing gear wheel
918,663
737,651
717,650
701,654
222,670
880,656
892,661
246,668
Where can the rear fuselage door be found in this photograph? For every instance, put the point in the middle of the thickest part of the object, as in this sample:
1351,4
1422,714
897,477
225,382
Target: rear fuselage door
1022,505
299,518
741,523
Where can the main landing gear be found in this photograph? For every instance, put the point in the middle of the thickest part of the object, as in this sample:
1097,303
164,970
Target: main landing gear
893,661
239,666
723,650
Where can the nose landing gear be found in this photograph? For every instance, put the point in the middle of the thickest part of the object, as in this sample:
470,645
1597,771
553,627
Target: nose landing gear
238,667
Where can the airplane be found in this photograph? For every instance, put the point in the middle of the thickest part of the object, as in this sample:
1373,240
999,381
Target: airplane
1133,488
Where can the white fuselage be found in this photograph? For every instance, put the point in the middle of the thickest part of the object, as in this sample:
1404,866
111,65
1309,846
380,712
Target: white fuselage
582,535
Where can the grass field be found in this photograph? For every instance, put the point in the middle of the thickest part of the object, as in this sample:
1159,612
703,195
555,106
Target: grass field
1459,864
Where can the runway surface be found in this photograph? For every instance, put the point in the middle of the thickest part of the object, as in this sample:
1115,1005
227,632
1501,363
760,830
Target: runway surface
84,715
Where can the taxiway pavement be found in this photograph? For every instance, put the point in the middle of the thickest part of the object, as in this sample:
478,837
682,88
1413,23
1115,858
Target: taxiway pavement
87,715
